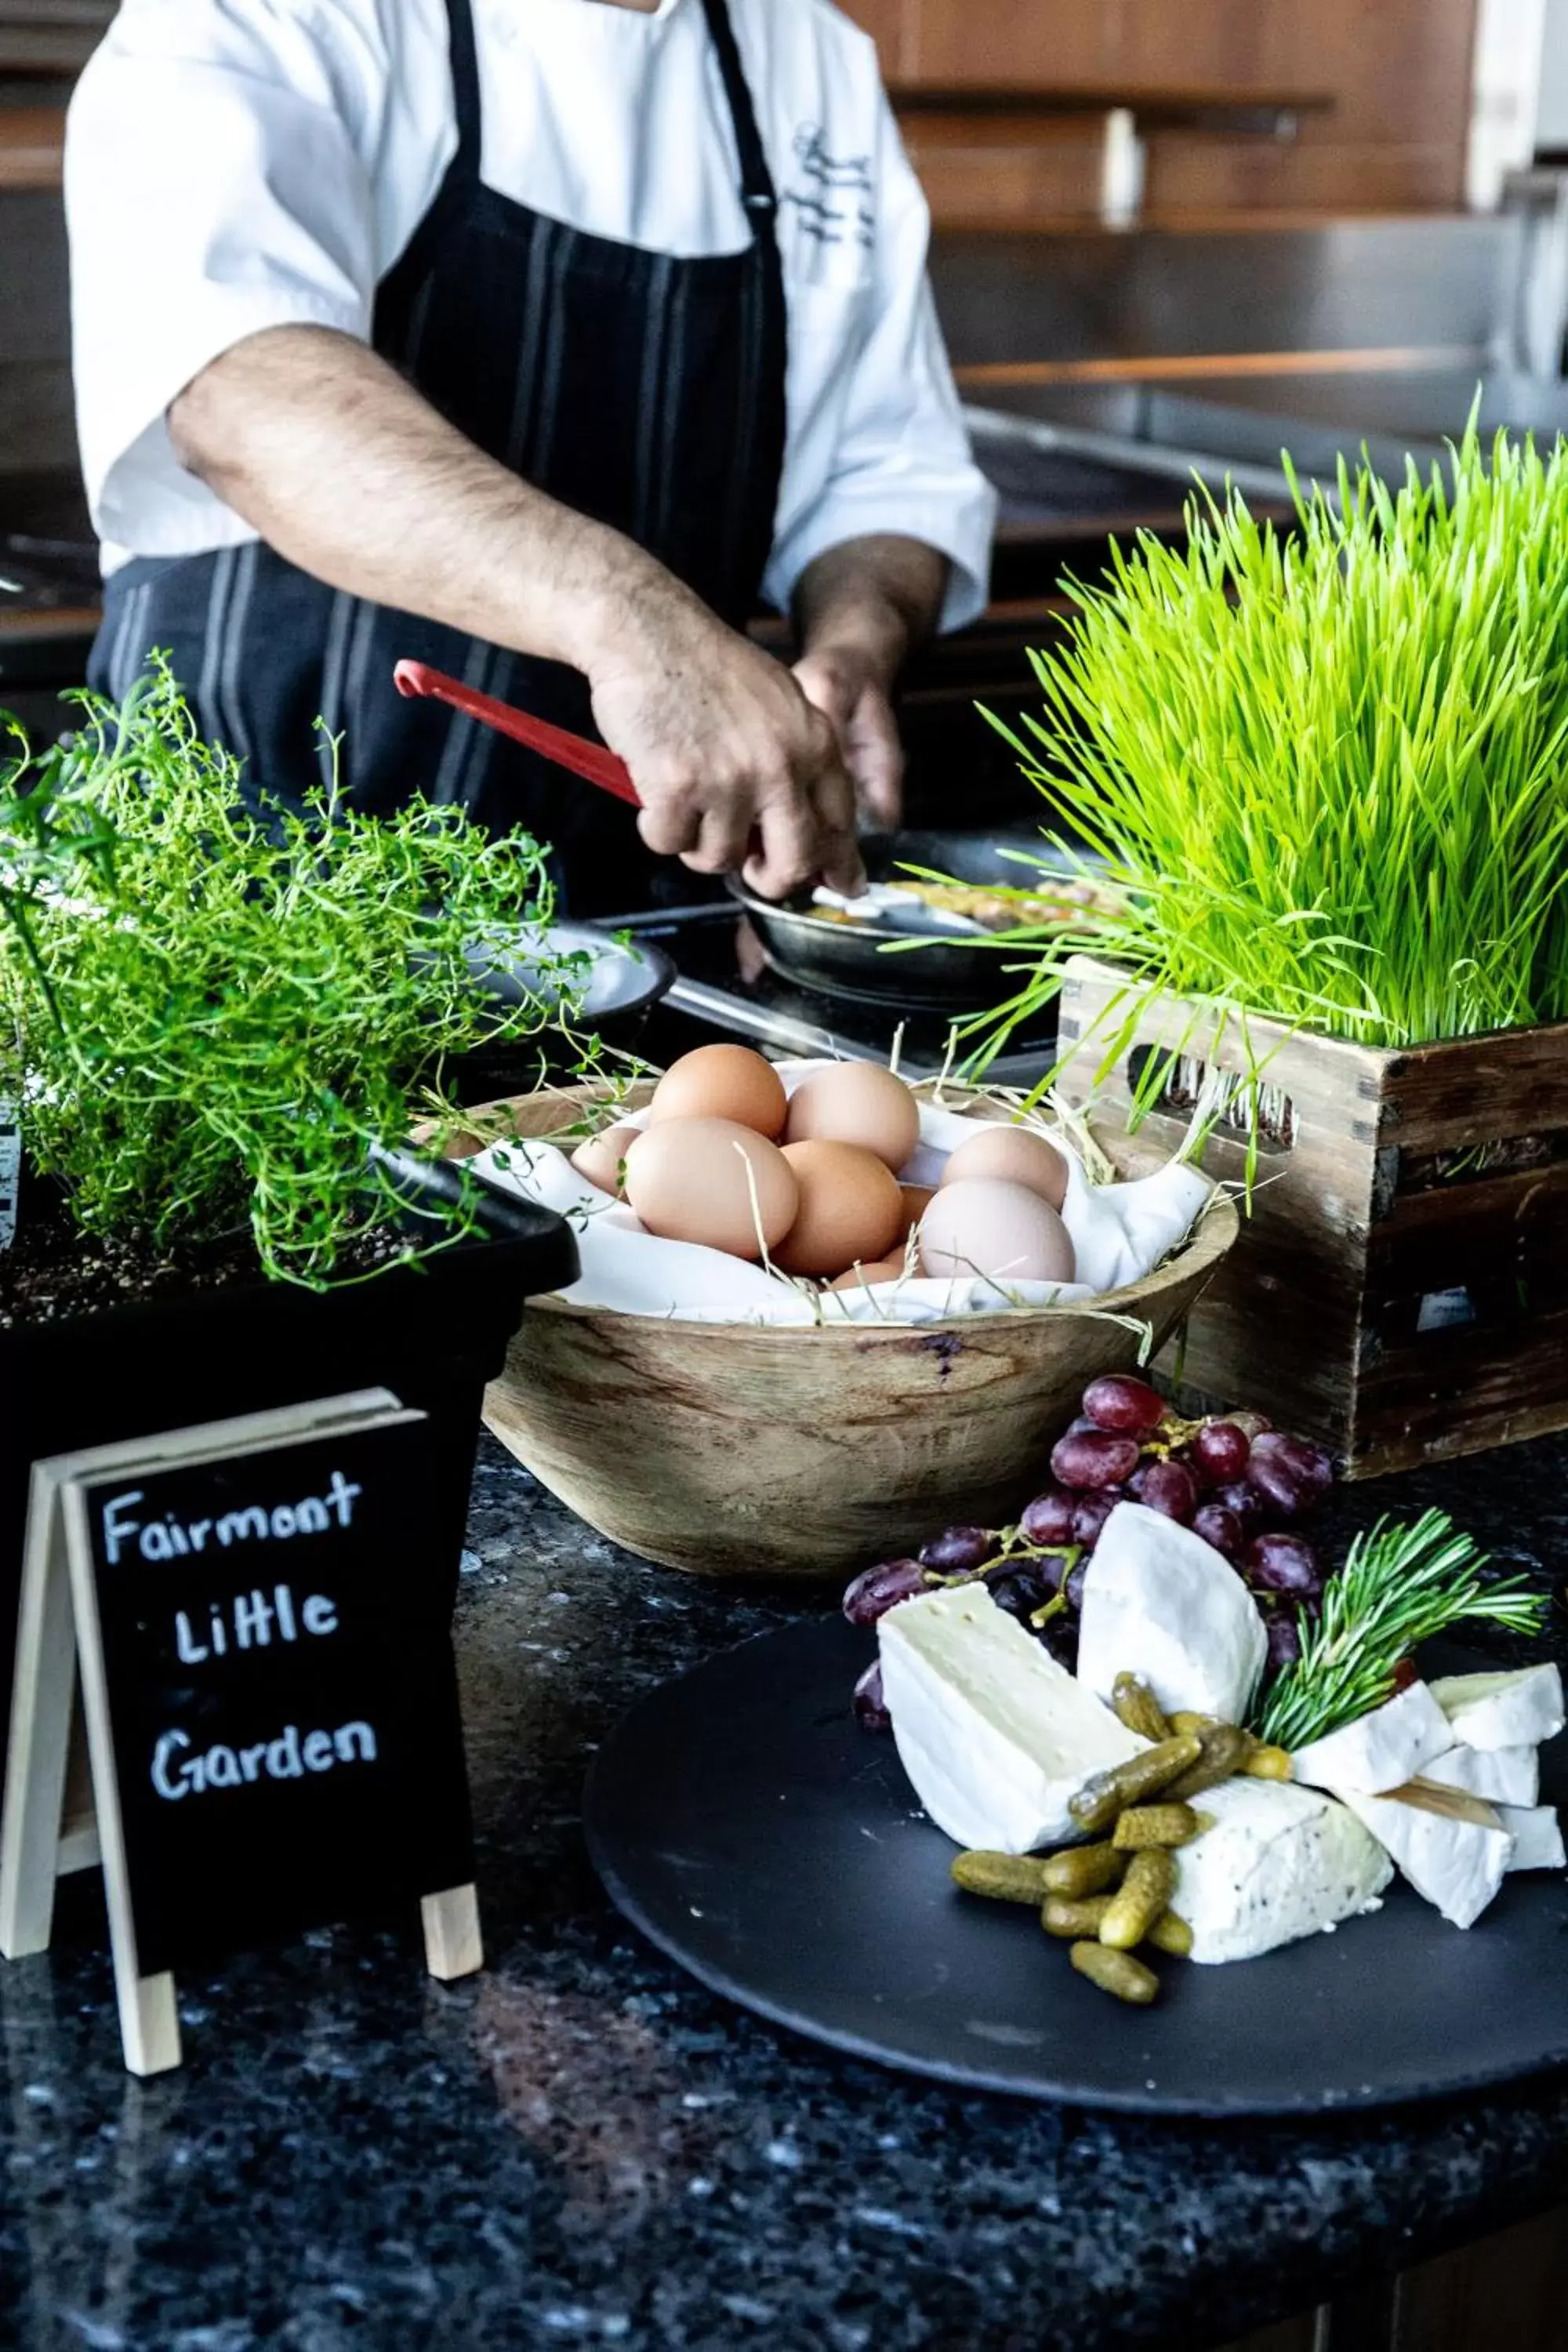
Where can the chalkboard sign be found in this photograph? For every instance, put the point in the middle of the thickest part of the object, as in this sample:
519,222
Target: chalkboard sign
261,1623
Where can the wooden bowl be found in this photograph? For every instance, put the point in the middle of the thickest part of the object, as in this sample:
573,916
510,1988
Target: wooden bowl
733,1451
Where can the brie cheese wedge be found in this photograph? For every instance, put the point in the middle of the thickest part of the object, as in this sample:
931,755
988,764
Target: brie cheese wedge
995,1735
1504,1776
1516,1710
1537,1837
1281,1861
1378,1751
1457,1863
1160,1602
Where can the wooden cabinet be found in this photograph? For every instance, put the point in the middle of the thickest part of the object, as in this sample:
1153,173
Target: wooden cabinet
1397,73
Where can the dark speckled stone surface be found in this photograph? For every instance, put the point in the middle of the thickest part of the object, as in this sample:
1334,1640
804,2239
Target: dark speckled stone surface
581,2147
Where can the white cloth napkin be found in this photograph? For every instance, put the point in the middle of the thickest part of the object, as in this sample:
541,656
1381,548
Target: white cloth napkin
1119,1231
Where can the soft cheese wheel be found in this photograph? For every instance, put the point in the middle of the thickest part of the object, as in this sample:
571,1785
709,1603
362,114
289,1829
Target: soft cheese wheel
687,1180
599,1158
849,1208
1016,1156
995,1736
855,1102
721,1082
1277,1863
1004,1232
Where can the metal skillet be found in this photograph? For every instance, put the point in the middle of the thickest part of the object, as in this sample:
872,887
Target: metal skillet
953,968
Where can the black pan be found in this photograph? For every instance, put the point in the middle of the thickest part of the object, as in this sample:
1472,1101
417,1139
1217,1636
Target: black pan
873,961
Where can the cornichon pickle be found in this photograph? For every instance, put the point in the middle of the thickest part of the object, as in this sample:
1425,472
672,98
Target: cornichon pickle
1139,1708
1116,1972
1171,1933
1184,1722
1162,1824
1096,1805
1224,1753
1267,1763
1080,1870
1059,1916
1006,1877
1138,1902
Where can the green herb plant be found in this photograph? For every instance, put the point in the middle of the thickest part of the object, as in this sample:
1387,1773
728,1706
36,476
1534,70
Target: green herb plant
1326,771
209,1017
1399,1586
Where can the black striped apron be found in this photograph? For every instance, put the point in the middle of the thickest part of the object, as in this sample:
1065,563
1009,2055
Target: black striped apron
645,390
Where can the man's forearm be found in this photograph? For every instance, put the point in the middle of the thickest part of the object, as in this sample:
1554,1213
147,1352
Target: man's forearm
347,471
875,599
343,469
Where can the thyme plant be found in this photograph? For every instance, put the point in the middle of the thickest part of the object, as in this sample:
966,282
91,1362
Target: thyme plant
1327,770
206,1018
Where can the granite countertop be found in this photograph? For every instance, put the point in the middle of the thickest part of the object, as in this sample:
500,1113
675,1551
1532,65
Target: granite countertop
584,2147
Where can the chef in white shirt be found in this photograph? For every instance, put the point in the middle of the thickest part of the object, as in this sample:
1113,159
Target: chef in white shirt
539,341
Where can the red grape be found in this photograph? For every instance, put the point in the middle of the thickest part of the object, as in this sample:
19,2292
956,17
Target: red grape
870,1707
1218,1453
1284,1564
1220,1527
1244,1502
1048,1518
1088,1518
1168,1487
1074,1586
1290,1475
1118,1402
1284,1638
957,1551
1252,1425
877,1589
1019,1591
1060,1638
1094,1458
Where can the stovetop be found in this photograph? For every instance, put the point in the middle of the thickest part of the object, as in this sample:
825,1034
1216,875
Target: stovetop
726,988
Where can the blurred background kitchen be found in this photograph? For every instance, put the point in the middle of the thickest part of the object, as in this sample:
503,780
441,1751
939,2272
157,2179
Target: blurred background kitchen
1165,236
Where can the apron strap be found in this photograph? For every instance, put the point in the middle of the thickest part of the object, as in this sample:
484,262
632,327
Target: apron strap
465,64
757,193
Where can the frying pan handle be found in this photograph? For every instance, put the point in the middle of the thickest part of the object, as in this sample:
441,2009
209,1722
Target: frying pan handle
590,761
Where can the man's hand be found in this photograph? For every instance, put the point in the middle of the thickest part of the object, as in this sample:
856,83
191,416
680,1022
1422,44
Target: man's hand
851,689
859,609
735,766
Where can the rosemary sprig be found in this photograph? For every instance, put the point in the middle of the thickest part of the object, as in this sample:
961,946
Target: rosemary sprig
1398,1587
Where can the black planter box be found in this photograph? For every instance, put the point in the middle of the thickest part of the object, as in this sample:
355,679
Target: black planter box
434,1334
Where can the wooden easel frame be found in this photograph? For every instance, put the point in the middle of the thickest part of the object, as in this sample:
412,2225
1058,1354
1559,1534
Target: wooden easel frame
59,1651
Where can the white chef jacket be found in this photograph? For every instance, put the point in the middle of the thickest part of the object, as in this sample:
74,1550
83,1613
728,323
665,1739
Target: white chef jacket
237,164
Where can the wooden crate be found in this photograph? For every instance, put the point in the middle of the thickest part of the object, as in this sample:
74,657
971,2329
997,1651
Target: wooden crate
1401,1288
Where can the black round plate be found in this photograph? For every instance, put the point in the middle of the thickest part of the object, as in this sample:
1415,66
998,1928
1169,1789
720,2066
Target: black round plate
743,1821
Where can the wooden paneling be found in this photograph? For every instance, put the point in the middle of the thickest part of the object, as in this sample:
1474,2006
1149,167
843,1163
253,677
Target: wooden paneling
1003,174
1399,72
1190,175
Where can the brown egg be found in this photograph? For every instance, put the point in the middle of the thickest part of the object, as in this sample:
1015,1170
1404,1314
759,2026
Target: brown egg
886,1269
855,1102
1014,1155
918,1199
721,1082
599,1160
686,1181
849,1208
986,1226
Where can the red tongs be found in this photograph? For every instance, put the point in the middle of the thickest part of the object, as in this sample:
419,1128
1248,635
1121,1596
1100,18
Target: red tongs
590,761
